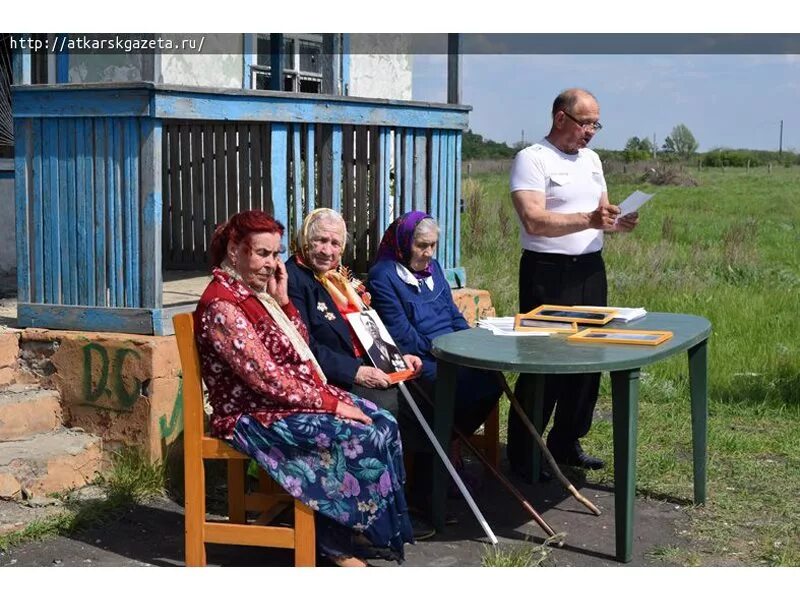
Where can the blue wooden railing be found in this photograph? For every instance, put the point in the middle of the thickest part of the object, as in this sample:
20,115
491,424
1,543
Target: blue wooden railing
114,183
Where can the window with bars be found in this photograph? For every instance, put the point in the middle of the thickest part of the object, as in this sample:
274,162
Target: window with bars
302,67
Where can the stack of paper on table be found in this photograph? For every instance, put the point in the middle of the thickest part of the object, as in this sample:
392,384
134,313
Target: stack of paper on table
505,326
623,314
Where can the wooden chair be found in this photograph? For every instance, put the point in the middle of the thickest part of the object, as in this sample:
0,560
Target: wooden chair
268,502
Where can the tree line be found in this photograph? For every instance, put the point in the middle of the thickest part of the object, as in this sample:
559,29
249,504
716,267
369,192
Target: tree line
679,145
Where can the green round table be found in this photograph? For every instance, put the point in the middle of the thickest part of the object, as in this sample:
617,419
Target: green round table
554,354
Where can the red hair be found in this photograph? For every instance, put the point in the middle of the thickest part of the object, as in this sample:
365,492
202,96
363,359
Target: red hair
237,229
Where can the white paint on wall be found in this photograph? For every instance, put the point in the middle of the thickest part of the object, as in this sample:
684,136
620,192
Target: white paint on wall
205,70
217,70
385,75
380,76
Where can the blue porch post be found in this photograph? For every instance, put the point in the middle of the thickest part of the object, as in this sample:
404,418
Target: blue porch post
249,54
276,61
62,58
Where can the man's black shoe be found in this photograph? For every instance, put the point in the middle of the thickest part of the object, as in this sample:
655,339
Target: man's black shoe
574,456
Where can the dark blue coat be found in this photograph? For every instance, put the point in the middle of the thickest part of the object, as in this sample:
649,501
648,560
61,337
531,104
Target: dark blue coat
330,339
414,317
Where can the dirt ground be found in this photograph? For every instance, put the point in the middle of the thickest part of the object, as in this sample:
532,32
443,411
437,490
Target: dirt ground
152,534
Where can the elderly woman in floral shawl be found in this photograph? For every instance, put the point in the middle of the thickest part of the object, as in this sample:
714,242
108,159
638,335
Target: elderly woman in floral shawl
336,452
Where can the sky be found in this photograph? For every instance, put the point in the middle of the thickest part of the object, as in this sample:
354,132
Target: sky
732,101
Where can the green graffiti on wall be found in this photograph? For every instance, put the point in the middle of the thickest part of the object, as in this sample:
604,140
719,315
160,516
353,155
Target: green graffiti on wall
115,367
177,415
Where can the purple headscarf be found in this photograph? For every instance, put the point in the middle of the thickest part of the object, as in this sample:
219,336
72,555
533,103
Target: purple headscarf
398,239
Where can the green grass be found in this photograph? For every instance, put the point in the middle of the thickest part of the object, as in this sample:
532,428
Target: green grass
727,250
522,555
131,479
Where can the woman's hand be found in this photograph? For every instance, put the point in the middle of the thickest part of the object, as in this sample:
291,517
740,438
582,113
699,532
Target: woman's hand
414,362
277,286
372,378
353,413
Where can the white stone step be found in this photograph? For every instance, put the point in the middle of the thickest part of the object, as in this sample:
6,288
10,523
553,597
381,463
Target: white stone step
49,462
28,410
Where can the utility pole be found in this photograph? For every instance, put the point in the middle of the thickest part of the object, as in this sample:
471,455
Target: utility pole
654,145
780,141
523,138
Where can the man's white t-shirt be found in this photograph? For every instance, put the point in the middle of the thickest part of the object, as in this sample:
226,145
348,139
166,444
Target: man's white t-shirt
571,183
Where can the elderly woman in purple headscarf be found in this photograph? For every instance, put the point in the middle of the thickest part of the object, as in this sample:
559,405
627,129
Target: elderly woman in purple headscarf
412,297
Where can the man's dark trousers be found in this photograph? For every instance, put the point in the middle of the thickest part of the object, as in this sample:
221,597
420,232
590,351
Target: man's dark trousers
567,280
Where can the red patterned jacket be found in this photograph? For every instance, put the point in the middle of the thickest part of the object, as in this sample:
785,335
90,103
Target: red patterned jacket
249,366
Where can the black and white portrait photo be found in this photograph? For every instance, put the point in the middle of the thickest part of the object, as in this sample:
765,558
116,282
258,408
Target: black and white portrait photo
377,342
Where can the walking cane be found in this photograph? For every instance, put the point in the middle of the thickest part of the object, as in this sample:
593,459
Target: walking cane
501,478
462,488
545,451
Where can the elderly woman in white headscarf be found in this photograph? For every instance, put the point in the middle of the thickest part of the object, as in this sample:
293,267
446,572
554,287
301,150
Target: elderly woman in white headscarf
324,295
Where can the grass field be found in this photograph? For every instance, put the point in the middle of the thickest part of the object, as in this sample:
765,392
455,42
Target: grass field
728,249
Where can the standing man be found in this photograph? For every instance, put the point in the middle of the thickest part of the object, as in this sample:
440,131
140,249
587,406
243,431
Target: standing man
560,195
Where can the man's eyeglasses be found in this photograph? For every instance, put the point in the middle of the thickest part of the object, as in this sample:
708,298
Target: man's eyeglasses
595,125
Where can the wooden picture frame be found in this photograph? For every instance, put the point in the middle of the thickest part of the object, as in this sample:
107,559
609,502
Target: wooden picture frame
640,337
379,346
571,314
523,323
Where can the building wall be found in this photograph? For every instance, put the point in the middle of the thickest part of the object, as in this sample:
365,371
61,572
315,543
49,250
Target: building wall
385,75
8,250
94,68
381,75
204,70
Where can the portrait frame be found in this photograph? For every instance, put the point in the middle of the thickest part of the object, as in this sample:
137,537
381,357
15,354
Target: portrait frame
391,366
642,337
571,314
523,323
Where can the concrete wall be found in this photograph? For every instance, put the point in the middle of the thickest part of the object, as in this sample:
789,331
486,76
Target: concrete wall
125,389
383,75
204,70
94,68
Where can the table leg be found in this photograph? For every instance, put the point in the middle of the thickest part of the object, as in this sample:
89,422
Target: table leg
698,386
531,398
443,415
625,400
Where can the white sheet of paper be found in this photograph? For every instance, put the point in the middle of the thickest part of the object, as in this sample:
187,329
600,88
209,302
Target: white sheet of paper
505,326
626,315
633,202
